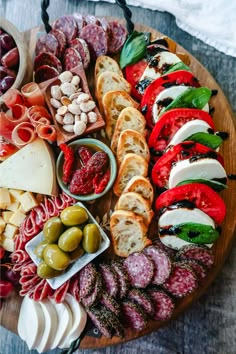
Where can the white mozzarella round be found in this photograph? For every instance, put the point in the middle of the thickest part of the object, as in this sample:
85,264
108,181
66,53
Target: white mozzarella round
205,168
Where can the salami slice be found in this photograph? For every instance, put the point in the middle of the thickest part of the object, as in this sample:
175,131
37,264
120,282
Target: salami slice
161,262
87,279
105,25
133,316
182,280
100,321
74,287
67,25
82,48
201,254
81,22
95,295
44,73
96,38
91,19
115,324
117,37
109,279
123,278
71,59
143,299
140,269
198,269
47,43
59,35
170,251
110,303
163,304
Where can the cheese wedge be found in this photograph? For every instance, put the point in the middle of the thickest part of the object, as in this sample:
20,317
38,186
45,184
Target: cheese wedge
30,169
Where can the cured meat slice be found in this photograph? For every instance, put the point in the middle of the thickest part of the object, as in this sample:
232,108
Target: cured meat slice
170,251
29,228
201,254
47,43
44,73
96,38
198,269
46,58
110,303
162,264
117,37
47,131
123,278
74,287
109,279
112,319
182,280
67,25
140,269
81,22
95,295
61,40
60,293
36,295
19,256
82,48
105,25
100,321
91,19
87,279
163,304
143,299
133,316
71,59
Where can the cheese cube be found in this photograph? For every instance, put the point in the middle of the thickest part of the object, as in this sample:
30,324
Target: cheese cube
8,244
13,206
21,209
28,201
5,199
10,231
7,215
2,224
17,218
15,194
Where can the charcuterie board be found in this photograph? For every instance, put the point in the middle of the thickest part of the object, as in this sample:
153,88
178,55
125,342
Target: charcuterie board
224,121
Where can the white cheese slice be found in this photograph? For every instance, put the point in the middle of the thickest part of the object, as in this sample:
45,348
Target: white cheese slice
188,129
32,168
205,168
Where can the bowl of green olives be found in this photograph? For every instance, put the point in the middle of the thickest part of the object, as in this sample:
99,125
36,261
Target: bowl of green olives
67,243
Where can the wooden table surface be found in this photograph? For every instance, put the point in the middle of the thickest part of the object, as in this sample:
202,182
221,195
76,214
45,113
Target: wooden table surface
209,326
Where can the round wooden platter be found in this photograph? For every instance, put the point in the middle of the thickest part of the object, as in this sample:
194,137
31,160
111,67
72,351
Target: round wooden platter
225,121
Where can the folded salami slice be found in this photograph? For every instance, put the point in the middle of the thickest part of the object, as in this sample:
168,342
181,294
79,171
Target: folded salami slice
110,303
182,280
140,269
71,59
82,48
109,279
96,38
117,37
95,295
200,254
46,58
163,304
47,43
87,279
44,73
133,316
67,25
100,321
143,299
199,269
61,41
123,278
161,262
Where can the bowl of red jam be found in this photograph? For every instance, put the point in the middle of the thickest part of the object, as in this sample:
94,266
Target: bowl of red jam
86,169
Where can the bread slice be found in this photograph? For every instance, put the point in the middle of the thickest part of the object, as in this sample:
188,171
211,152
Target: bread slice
131,141
142,186
113,103
134,202
105,63
128,232
129,118
132,165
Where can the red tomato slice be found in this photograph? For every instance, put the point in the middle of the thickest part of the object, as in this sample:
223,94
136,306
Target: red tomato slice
170,122
201,195
161,169
181,77
133,73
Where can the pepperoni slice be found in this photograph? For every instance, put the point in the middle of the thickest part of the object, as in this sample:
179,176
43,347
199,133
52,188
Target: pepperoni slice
46,58
140,269
47,43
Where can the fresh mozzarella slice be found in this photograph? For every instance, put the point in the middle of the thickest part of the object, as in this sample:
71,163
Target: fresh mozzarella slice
162,59
188,129
168,95
205,168
79,319
31,322
179,216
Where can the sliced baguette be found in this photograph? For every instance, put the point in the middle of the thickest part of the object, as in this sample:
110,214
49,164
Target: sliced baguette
134,202
132,165
105,63
129,118
131,141
113,103
142,186
128,232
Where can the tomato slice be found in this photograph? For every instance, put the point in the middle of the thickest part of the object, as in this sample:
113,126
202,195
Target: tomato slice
181,77
133,73
201,195
170,122
185,150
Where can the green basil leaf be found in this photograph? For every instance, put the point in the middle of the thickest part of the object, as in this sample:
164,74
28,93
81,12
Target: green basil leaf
134,49
177,67
195,233
217,186
210,140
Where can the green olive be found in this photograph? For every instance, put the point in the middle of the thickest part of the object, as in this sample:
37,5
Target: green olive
53,229
91,238
77,253
40,248
46,272
55,257
70,239
73,215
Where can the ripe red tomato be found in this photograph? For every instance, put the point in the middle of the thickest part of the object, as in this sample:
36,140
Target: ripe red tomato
133,73
201,195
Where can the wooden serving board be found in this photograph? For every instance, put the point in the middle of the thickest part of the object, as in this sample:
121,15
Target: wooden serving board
224,121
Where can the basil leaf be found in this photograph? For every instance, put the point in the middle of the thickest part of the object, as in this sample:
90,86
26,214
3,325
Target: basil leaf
210,140
191,98
195,233
177,67
134,49
217,186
